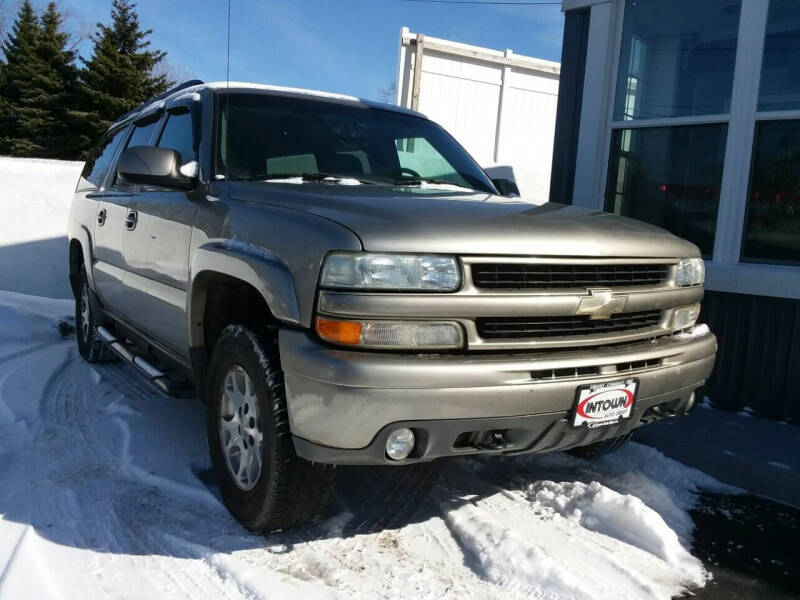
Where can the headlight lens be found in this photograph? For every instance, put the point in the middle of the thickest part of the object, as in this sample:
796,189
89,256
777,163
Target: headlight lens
421,335
691,271
685,317
368,271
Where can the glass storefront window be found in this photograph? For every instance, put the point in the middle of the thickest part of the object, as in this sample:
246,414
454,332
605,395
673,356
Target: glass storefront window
676,58
772,232
669,176
780,67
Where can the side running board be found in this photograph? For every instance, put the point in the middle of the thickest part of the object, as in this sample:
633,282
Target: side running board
156,377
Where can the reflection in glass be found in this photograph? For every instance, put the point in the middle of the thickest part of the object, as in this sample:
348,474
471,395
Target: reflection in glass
669,176
780,67
676,58
772,232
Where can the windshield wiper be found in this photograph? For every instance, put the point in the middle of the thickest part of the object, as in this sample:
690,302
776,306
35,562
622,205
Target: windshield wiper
316,176
420,181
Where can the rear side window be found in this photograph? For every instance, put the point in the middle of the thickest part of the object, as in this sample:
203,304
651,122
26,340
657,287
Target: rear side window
177,135
96,166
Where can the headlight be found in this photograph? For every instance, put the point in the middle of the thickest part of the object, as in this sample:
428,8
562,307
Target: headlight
685,317
402,272
421,335
690,271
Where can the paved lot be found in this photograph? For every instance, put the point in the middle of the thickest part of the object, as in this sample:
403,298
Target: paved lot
748,541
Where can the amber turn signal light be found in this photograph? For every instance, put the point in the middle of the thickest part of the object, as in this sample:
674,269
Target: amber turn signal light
339,332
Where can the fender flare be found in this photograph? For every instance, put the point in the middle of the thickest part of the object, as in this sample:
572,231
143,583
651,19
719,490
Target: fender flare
251,264
84,238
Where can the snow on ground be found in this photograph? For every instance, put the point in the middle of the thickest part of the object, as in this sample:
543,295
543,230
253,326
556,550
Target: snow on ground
106,492
34,205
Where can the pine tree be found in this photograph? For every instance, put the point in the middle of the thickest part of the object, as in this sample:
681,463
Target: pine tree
121,72
22,117
57,83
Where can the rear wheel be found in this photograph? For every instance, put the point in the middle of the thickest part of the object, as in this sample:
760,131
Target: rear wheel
264,484
90,345
600,448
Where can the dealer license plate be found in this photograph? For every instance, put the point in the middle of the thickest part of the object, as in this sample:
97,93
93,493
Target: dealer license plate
601,404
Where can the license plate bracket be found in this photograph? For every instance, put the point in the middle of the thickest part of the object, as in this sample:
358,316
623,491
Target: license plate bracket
604,404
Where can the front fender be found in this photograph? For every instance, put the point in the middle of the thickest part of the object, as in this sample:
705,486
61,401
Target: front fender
82,235
253,265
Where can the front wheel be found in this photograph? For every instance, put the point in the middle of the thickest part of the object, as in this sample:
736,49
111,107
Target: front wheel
264,484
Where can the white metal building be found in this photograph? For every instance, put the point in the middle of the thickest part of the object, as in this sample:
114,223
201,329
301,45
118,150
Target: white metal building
500,106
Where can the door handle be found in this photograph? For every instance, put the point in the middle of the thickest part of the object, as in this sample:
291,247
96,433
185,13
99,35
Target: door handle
131,219
101,217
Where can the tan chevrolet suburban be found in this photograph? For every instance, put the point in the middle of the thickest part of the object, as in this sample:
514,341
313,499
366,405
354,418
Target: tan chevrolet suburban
341,283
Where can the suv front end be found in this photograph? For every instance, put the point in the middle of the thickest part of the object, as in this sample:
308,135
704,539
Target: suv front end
488,354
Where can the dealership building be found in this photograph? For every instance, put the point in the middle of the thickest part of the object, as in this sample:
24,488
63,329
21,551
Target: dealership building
686,114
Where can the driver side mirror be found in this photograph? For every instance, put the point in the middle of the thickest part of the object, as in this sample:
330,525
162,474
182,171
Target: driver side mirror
506,187
149,165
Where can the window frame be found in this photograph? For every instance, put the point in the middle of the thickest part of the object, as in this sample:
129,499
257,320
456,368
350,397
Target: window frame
726,271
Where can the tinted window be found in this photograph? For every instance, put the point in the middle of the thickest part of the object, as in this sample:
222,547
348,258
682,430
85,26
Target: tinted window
676,58
669,176
177,135
263,136
142,134
772,232
96,166
780,68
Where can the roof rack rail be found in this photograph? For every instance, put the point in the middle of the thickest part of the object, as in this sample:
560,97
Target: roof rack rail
169,92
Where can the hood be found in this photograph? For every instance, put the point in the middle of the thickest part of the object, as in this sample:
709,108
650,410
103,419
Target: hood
412,219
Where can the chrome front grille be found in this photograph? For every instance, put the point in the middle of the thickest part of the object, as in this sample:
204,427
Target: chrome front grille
493,328
554,276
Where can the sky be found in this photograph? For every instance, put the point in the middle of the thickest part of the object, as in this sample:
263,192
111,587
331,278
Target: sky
344,46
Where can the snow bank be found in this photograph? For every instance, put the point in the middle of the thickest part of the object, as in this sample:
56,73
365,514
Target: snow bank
106,489
34,206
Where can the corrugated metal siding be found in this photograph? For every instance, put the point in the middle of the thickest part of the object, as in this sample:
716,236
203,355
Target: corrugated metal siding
758,364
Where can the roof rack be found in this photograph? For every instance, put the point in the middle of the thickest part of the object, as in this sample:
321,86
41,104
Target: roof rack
169,92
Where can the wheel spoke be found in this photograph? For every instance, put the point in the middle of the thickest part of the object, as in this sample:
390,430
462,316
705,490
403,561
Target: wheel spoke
241,443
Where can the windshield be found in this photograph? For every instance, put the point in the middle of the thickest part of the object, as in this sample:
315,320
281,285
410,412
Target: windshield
269,137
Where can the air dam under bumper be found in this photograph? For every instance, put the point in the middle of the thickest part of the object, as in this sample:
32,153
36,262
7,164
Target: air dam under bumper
343,404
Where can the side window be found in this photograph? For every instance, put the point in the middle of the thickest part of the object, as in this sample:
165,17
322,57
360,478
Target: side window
96,166
178,135
142,134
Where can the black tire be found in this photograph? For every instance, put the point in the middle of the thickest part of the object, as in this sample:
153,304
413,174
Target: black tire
288,491
90,345
600,448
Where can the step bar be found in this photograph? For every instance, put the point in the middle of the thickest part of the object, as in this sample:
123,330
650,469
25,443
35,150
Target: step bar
158,378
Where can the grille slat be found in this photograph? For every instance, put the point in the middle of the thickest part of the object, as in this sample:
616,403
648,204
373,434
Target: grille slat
541,327
516,276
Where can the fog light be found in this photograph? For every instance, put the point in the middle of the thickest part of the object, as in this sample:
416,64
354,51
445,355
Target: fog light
400,443
685,317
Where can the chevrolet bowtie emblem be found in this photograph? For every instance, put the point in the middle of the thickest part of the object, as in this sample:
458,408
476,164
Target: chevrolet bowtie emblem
601,303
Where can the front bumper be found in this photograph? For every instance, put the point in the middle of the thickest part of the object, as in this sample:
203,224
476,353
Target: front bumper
342,404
